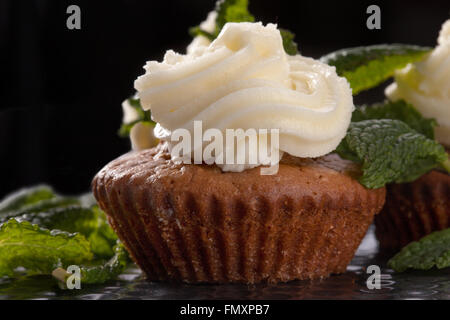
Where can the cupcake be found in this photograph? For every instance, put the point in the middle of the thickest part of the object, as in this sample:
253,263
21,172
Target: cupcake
418,208
195,223
218,210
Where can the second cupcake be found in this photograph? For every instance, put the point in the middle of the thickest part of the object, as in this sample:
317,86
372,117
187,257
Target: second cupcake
418,208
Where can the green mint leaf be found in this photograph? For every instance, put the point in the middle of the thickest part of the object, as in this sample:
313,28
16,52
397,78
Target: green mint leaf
39,250
390,151
231,11
25,197
431,251
104,229
103,238
197,31
366,67
143,116
43,205
90,222
237,11
227,11
70,219
26,240
110,270
136,104
399,110
125,129
100,273
100,246
290,46
56,202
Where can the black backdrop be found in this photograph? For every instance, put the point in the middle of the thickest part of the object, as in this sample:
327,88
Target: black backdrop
61,90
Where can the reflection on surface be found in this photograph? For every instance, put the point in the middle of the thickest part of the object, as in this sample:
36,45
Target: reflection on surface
433,284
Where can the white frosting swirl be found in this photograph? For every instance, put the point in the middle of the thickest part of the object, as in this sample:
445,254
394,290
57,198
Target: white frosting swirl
426,85
244,79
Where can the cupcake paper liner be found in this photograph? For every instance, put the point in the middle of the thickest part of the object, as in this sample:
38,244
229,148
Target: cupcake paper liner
413,210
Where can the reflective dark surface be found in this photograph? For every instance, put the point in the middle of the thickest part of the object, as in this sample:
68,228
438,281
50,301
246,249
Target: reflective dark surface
433,284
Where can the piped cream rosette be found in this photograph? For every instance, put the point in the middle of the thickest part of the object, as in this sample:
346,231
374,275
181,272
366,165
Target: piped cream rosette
245,80
426,85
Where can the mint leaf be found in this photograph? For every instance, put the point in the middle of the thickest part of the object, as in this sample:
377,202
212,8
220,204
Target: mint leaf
227,11
26,240
43,205
390,151
103,226
237,11
110,270
125,129
39,250
100,273
399,110
231,11
366,67
25,197
143,116
136,104
103,238
290,46
90,222
431,251
56,202
197,31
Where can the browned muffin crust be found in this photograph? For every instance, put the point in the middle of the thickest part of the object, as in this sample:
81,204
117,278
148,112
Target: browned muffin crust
194,223
413,210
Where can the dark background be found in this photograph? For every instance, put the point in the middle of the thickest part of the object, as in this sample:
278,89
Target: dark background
61,90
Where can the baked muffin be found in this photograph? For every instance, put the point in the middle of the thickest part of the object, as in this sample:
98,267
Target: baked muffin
232,215
195,223
416,209
413,210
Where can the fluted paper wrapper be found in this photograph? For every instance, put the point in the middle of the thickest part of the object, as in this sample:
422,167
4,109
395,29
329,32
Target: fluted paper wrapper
413,210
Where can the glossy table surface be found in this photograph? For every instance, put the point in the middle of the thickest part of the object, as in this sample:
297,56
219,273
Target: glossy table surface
433,284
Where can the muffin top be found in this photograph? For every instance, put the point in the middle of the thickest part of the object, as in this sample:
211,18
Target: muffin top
327,178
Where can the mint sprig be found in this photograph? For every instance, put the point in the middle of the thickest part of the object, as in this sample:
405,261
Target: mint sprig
398,110
25,197
237,11
43,231
90,222
39,250
290,46
143,116
99,273
431,251
227,11
232,11
197,31
390,151
367,67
